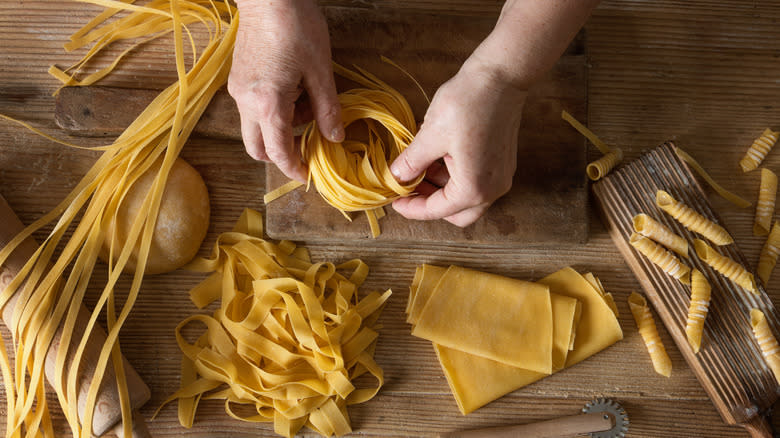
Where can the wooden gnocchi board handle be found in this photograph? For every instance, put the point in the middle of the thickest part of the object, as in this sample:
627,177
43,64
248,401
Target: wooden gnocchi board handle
729,365
107,411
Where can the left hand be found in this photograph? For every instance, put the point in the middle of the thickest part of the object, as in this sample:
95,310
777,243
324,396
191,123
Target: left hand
472,124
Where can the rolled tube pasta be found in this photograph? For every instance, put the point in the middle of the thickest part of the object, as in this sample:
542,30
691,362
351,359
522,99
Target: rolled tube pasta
654,230
649,332
601,167
692,220
661,258
766,340
758,150
765,206
769,253
725,265
698,309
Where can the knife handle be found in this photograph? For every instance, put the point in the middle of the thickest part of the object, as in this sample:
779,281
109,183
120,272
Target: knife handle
557,427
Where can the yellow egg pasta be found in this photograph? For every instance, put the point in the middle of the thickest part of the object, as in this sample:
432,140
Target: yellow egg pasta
725,265
692,220
654,230
758,150
661,258
727,195
766,341
649,332
765,206
698,309
769,253
601,167
288,339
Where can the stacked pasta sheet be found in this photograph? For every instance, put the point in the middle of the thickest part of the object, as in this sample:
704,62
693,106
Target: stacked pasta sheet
494,334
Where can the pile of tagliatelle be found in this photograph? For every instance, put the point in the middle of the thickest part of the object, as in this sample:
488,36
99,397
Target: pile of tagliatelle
288,339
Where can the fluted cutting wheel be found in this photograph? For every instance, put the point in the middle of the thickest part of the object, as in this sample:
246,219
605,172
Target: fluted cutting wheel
608,406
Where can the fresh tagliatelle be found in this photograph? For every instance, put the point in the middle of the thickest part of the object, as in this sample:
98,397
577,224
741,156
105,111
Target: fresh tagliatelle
354,175
159,133
288,338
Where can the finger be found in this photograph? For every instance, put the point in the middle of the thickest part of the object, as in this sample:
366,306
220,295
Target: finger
468,216
438,205
276,127
420,154
325,105
253,138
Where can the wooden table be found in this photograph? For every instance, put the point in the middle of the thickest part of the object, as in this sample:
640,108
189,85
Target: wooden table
701,73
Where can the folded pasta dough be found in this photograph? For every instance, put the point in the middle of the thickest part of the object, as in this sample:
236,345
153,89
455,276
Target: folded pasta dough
476,381
425,279
598,327
499,318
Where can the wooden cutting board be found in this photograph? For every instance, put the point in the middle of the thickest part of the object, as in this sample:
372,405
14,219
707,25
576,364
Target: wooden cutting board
548,200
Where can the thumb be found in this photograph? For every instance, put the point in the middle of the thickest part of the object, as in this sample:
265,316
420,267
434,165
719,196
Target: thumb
416,158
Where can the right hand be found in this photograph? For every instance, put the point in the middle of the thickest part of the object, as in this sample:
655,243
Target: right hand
282,48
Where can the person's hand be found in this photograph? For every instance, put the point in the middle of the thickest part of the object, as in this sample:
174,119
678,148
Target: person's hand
282,48
472,124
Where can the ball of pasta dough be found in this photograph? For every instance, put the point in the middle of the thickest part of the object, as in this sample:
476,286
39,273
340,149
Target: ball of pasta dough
181,224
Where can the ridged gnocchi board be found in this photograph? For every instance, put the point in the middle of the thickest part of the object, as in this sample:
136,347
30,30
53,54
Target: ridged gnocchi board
729,365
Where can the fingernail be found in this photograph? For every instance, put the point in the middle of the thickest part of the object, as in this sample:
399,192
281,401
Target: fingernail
395,171
337,134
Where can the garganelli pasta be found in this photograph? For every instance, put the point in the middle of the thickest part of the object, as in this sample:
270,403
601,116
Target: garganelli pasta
649,332
612,156
765,206
158,133
766,341
289,338
661,258
652,229
769,253
725,265
692,220
758,150
601,167
698,309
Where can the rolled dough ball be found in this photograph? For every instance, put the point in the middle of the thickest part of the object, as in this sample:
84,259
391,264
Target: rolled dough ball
181,224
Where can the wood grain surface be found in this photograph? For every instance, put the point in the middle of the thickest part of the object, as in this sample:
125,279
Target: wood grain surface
702,73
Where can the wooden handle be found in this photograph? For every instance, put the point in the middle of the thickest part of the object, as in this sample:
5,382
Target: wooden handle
558,427
759,427
107,407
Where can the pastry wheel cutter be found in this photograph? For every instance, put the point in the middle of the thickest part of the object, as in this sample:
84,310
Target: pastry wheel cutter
600,418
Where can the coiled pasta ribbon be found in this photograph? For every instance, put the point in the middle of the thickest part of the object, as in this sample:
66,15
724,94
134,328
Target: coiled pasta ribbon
612,156
698,309
769,253
652,229
766,341
692,220
758,150
661,258
726,266
288,339
355,175
649,332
